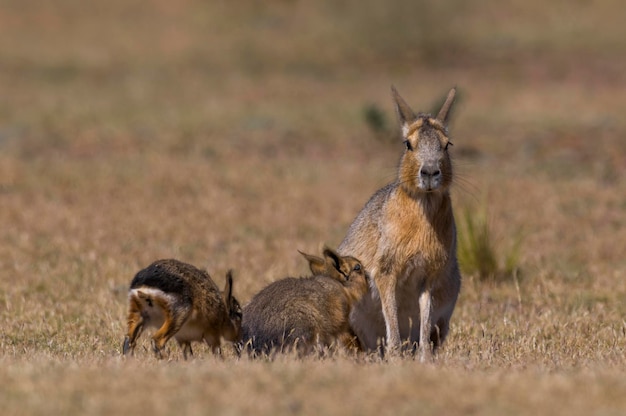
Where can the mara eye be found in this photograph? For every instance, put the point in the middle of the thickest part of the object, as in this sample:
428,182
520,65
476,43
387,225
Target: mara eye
408,145
357,268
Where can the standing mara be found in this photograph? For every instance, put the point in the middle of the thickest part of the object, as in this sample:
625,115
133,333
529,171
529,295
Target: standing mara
406,238
183,302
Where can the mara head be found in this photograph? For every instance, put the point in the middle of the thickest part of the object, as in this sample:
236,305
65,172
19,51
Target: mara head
346,269
425,165
235,314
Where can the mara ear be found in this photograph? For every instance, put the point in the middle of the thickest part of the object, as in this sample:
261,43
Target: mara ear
316,264
406,116
332,258
444,113
228,289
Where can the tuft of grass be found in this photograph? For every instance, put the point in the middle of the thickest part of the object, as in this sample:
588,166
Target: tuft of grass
376,121
480,255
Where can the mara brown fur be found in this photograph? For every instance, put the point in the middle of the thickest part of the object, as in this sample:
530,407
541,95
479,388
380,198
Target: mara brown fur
406,237
183,302
307,313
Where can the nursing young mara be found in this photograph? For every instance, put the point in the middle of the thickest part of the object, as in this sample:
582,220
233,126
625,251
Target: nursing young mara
406,238
309,313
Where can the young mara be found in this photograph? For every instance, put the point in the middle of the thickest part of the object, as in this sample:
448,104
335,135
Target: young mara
306,313
182,302
406,237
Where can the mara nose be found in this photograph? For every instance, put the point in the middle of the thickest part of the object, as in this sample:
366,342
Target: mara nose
430,172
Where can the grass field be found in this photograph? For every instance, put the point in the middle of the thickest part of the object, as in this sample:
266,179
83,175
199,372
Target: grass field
229,136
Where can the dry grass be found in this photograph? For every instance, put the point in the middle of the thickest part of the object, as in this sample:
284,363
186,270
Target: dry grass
300,387
230,136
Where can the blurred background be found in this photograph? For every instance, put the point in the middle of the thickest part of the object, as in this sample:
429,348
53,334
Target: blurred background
230,134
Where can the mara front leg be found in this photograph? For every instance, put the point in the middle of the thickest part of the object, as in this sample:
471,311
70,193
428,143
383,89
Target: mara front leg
426,311
215,343
386,285
186,347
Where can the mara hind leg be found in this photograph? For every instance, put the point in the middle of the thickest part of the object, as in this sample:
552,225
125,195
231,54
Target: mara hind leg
435,336
174,320
440,332
135,326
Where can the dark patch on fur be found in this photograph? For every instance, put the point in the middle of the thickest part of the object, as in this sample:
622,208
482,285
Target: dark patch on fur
166,275
387,263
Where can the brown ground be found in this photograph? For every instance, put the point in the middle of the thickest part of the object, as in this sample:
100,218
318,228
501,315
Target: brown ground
230,136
